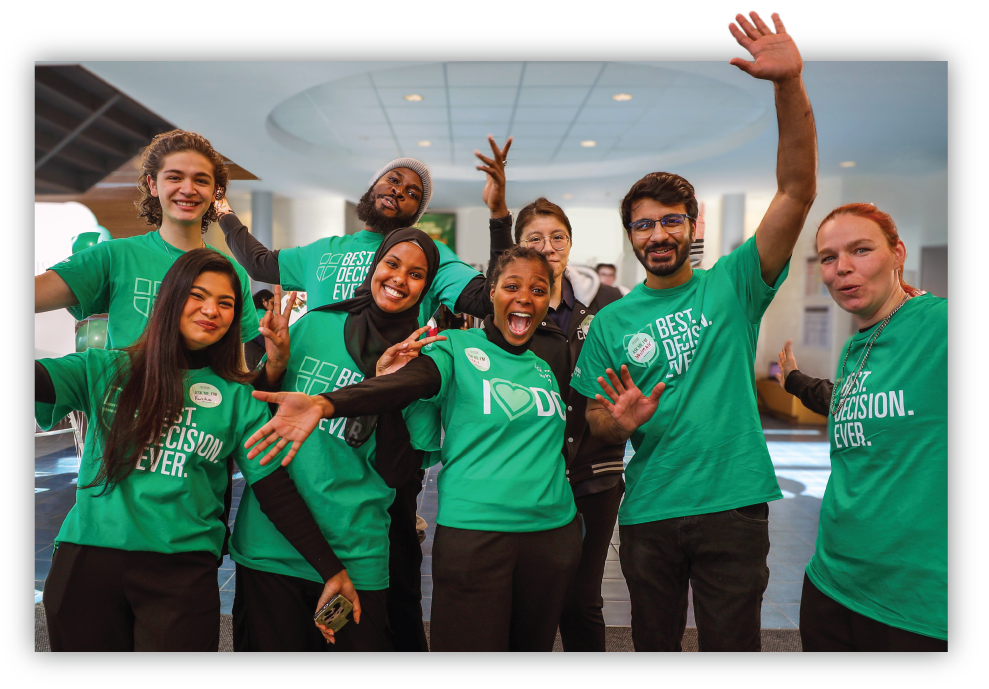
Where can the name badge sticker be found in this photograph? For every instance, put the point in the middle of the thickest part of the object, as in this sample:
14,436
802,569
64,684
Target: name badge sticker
205,395
642,349
478,358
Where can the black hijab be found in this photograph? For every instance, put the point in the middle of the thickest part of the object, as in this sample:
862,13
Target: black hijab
369,331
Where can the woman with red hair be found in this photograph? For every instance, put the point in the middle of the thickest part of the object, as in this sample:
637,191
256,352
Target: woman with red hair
878,580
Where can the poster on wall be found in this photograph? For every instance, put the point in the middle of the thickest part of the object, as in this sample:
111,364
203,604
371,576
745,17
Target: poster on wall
441,227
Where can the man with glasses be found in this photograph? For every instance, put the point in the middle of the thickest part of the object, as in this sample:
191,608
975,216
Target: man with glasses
696,510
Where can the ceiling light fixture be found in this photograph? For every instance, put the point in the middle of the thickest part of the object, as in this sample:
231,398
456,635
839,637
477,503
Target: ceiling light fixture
622,96
847,163
588,143
413,97
424,143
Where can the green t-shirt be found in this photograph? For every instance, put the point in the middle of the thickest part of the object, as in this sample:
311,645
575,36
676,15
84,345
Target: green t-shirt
339,483
121,278
882,542
703,450
332,268
173,501
503,466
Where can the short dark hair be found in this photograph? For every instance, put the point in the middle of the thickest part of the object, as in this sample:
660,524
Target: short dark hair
664,187
519,253
599,266
540,206
261,296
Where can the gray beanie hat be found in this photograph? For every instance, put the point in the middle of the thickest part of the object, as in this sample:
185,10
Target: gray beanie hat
418,167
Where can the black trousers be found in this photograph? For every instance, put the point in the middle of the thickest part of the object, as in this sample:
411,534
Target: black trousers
498,591
827,625
721,555
582,621
404,570
105,599
274,612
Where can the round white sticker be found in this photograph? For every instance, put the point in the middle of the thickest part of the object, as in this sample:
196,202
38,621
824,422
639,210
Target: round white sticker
205,395
642,348
478,358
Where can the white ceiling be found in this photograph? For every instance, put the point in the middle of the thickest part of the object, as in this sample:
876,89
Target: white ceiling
307,128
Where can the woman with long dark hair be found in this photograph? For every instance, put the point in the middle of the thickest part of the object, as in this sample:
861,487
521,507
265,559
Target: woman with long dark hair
507,539
135,560
348,470
878,580
181,176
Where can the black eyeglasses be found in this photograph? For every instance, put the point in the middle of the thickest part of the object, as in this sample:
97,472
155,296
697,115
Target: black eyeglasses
558,241
672,223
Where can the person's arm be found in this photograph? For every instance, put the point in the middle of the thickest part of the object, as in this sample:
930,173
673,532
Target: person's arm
259,262
697,246
51,292
815,393
613,420
776,58
395,458
44,387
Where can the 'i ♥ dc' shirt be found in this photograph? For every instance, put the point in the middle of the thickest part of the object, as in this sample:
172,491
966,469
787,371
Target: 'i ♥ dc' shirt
332,268
882,543
503,465
173,500
703,450
121,277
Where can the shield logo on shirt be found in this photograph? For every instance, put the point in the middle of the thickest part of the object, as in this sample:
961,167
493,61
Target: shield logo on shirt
515,400
328,265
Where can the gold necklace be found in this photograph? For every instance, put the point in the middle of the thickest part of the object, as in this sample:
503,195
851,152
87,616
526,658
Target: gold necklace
165,244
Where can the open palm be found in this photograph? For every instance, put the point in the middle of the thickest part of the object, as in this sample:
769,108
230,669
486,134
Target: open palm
775,55
297,417
626,403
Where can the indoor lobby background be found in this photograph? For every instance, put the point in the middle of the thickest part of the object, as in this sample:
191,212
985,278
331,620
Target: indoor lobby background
304,138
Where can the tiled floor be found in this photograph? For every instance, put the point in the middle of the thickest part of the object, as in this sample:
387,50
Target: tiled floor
800,456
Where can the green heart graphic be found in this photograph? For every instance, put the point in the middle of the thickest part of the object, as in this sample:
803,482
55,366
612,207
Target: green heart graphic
514,399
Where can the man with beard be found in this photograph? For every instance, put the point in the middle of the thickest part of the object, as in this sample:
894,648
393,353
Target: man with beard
330,270
696,508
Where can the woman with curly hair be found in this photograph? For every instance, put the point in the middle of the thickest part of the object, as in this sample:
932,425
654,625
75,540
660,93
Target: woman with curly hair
181,176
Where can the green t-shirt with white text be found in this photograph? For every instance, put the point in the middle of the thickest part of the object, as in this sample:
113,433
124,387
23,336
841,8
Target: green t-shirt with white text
703,450
173,500
339,483
121,277
332,268
503,464
882,543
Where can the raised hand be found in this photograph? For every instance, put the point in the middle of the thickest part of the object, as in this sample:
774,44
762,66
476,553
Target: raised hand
274,327
222,207
494,187
339,583
627,405
396,356
788,362
775,55
699,224
297,417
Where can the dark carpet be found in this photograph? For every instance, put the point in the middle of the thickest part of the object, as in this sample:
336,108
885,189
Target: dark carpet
617,639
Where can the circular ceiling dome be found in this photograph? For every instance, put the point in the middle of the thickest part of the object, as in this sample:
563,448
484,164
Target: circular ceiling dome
569,120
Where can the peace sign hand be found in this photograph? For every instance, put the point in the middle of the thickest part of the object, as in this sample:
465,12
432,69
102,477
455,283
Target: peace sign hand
274,327
494,188
396,356
222,207
775,55
628,406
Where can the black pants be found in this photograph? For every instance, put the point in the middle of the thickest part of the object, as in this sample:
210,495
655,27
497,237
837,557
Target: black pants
582,621
274,612
498,591
105,599
721,555
404,570
827,625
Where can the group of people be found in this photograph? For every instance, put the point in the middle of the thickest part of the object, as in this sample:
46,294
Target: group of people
528,415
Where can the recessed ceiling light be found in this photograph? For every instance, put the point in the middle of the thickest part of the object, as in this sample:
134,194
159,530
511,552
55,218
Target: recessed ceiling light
414,97
847,163
568,196
622,96
588,143
424,143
